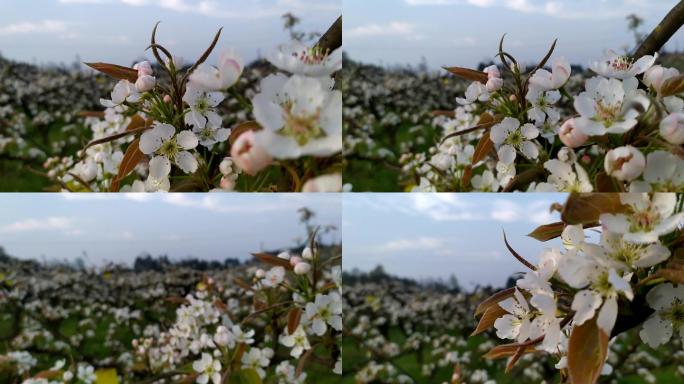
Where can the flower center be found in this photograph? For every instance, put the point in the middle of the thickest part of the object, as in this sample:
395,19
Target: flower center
515,138
625,254
643,221
312,56
675,314
169,148
607,113
622,63
301,127
202,105
603,285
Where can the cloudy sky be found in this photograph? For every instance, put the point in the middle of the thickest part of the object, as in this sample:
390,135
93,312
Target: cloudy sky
118,31
118,228
465,32
436,235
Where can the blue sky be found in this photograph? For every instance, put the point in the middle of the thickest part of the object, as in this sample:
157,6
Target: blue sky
118,31
436,235
465,32
118,228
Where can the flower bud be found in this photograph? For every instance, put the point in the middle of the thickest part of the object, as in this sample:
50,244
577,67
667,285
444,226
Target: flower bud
307,254
570,135
302,268
227,183
284,255
226,166
494,84
260,273
672,128
294,260
144,68
247,155
145,83
167,98
624,163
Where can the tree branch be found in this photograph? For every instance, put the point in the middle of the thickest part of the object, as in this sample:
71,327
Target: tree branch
332,39
662,32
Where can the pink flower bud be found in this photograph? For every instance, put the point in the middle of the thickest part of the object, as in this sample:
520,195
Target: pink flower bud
586,159
145,83
227,183
144,68
570,135
672,128
302,268
624,163
248,155
294,260
167,98
494,84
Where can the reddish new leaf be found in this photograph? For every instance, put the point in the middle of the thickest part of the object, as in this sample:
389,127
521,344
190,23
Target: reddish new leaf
587,207
494,300
131,158
272,260
672,86
293,318
115,71
468,74
483,148
487,320
547,231
587,350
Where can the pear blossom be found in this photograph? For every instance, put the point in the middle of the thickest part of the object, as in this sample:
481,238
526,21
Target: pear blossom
299,59
302,268
537,281
145,83
163,143
647,218
622,67
485,182
210,134
664,172
516,323
668,302
476,91
509,138
288,374
672,128
274,277
559,75
210,78
300,116
208,368
202,105
626,256
624,163
609,106
546,323
325,310
297,341
494,80
124,91
257,359
542,102
565,177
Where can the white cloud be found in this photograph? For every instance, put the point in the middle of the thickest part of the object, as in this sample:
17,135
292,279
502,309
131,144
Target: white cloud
394,28
24,27
421,243
443,206
508,211
49,223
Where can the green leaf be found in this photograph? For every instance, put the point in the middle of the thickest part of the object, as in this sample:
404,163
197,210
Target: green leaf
244,376
547,231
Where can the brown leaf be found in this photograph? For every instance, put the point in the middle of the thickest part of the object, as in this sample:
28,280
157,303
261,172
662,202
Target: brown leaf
132,157
137,121
487,320
484,146
468,74
115,71
547,231
506,350
242,128
272,260
674,269
587,207
587,351
47,374
444,113
98,114
302,362
605,183
494,300
293,318
672,86
242,284
467,175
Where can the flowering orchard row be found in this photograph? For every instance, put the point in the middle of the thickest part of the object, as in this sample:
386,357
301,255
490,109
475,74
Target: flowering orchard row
274,320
